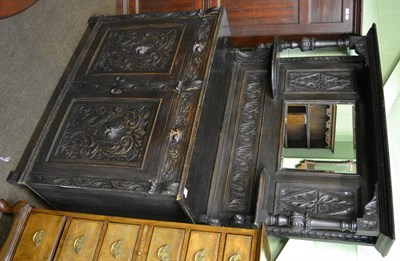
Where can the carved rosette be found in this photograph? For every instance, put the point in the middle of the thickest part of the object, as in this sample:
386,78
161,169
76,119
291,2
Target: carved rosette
178,137
242,170
138,50
104,132
305,81
316,201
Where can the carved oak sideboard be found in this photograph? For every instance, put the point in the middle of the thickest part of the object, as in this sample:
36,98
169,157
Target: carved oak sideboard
158,117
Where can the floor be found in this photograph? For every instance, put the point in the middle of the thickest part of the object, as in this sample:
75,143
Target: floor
37,43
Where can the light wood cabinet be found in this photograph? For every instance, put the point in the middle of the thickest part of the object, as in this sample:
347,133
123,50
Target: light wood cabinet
39,234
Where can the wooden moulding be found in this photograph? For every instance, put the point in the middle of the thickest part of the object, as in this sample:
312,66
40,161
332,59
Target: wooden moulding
20,211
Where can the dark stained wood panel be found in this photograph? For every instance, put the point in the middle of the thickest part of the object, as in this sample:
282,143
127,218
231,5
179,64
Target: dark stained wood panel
141,6
260,12
322,11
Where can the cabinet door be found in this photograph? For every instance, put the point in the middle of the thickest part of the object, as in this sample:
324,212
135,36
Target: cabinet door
203,246
118,142
151,52
119,242
40,237
237,247
166,244
80,241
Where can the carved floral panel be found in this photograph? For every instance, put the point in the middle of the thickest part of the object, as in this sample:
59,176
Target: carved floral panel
106,131
138,50
315,201
315,81
242,170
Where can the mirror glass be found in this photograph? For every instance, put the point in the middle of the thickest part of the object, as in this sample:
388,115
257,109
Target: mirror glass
319,137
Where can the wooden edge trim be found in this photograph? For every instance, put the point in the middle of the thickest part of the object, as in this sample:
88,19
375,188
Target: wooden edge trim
20,211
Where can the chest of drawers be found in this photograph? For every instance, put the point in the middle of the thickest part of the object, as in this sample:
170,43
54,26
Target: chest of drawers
39,234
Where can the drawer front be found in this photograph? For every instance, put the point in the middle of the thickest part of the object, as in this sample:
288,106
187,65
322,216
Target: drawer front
203,246
166,244
40,237
119,242
237,248
80,240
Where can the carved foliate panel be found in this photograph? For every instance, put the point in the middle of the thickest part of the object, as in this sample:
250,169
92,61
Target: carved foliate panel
91,182
317,201
319,81
178,137
106,131
137,49
242,165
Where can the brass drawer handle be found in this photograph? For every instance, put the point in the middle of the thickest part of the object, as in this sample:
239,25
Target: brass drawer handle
200,256
78,243
116,248
235,257
38,237
162,253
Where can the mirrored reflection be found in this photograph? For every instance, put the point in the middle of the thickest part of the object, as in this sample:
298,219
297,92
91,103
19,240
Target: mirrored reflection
319,137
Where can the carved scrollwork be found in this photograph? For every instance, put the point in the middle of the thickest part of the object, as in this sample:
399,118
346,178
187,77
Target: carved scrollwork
261,54
137,50
369,223
246,145
86,182
164,188
178,137
137,85
153,15
105,131
192,78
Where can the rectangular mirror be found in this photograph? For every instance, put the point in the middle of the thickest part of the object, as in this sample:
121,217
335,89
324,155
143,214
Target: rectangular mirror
319,137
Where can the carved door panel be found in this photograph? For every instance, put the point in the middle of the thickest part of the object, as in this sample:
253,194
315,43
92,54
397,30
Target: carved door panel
149,53
132,139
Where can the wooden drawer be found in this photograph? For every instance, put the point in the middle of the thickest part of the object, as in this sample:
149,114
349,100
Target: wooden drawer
80,240
119,242
40,237
237,247
166,244
203,246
